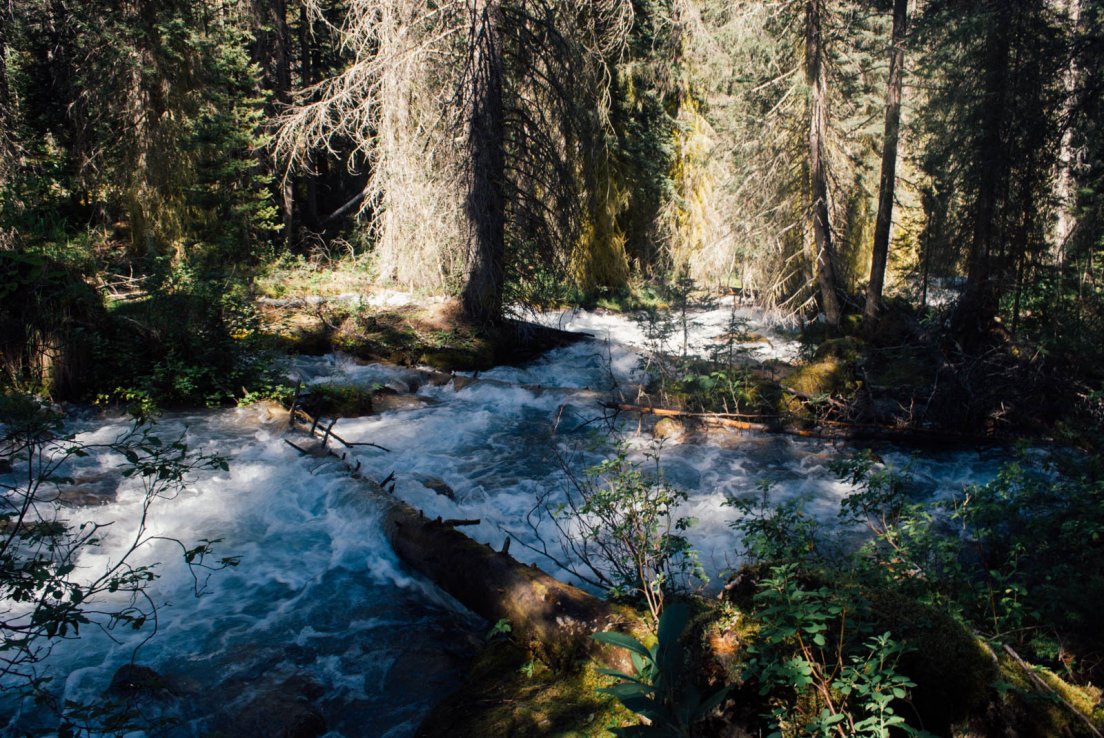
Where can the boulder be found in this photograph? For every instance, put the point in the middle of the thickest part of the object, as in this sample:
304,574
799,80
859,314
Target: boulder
669,428
284,711
134,680
436,484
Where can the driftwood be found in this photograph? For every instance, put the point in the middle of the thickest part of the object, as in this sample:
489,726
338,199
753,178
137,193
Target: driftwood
553,618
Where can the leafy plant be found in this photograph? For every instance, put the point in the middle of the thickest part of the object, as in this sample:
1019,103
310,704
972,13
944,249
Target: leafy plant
806,648
618,522
660,689
773,532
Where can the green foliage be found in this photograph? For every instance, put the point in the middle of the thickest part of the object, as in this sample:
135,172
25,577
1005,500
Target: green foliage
773,532
661,688
619,521
826,673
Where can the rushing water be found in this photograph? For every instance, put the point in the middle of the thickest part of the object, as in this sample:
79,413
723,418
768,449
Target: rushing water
321,609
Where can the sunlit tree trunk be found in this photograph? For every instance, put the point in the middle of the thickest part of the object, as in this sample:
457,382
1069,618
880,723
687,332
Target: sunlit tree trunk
816,74
1067,188
887,186
486,200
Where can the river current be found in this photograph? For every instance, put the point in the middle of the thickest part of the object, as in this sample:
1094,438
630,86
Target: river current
320,609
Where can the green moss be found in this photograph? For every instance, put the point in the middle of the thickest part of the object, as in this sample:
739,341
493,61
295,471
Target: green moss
824,377
848,349
1022,707
500,699
952,670
339,400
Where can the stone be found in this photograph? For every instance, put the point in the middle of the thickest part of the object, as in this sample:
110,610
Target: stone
436,484
132,680
669,428
89,490
284,711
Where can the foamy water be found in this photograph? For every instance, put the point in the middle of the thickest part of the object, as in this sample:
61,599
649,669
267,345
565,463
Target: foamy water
320,597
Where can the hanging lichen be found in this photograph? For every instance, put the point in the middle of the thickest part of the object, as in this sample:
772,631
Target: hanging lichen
599,259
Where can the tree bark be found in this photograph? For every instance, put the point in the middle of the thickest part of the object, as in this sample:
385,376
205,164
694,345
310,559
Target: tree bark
977,306
816,75
887,186
486,199
553,618
1066,186
6,124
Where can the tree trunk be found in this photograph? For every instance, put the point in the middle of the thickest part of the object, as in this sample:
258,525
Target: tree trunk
486,199
887,187
816,75
6,124
553,618
977,306
1066,185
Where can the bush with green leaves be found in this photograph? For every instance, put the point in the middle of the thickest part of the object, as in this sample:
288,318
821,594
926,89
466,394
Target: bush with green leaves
661,688
620,532
46,596
1019,558
816,660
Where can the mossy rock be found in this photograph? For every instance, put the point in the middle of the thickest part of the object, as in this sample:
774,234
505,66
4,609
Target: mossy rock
848,349
908,370
952,670
446,358
339,401
499,698
828,376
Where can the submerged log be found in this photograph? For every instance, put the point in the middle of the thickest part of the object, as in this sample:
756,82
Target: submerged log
553,619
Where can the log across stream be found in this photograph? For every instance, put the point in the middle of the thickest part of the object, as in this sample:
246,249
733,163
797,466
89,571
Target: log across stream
322,610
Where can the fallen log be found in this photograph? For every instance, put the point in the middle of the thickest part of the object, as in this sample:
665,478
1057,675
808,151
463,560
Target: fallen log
826,429
553,619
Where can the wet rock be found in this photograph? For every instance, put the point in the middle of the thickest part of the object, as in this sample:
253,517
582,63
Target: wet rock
669,428
436,484
413,671
271,412
284,711
459,382
435,378
383,402
398,386
133,680
89,490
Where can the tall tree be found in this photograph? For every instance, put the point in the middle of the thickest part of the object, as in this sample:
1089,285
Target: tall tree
486,168
995,70
887,185
272,52
816,77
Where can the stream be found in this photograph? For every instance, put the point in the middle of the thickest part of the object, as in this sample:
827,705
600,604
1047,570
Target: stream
320,610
